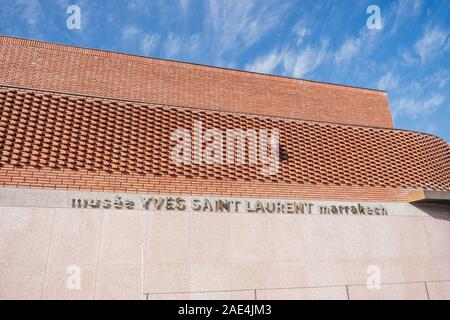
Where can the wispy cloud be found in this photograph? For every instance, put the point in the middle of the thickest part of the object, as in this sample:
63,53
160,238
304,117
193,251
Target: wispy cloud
348,50
419,100
236,25
144,42
175,46
298,64
149,43
409,58
415,108
402,12
295,62
223,29
389,81
267,63
433,42
356,46
172,46
440,78
130,32
301,31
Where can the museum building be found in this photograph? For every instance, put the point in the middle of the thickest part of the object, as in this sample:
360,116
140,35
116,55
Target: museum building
130,177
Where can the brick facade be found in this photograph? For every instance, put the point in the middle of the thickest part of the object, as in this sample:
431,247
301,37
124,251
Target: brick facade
82,119
61,141
48,66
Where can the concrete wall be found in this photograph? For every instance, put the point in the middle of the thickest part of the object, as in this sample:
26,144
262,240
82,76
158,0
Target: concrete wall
182,255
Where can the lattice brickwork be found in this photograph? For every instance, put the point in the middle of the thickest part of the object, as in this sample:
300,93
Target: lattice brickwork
46,130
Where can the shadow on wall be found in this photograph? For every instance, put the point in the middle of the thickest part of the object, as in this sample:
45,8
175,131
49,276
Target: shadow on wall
435,210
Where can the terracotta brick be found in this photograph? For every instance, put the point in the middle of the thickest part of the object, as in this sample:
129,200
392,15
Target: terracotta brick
57,67
57,140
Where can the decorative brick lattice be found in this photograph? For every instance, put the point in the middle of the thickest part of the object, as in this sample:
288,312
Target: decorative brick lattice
41,129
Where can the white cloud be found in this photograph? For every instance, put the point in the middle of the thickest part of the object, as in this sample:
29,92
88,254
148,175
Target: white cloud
435,101
359,46
172,46
351,47
148,43
408,58
301,32
293,62
137,38
440,78
175,45
422,98
194,43
432,43
389,81
401,13
130,33
415,108
241,23
228,28
267,63
305,61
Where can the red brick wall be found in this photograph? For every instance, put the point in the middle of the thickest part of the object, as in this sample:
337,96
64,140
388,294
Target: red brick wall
86,180
63,141
69,69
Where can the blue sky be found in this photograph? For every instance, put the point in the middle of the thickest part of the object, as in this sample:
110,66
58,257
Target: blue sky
310,39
